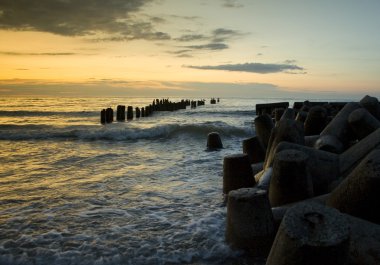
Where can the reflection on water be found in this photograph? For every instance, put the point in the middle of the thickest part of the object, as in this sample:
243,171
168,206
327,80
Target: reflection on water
154,198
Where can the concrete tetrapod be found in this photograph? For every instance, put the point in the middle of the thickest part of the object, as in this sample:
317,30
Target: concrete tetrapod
323,166
291,180
372,105
363,123
336,135
285,130
237,173
311,234
315,121
250,221
359,193
254,149
289,113
263,128
278,112
352,156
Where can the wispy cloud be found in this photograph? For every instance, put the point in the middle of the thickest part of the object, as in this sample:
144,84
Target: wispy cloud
209,46
81,18
191,37
232,4
215,40
217,35
38,53
260,68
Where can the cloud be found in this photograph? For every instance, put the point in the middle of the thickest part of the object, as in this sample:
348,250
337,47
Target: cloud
209,46
232,4
38,53
191,18
80,18
223,34
217,35
191,37
260,68
215,40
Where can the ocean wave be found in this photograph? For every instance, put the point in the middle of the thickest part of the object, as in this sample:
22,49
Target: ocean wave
228,113
117,132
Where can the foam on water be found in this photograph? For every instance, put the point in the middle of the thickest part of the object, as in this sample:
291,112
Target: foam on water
117,131
140,192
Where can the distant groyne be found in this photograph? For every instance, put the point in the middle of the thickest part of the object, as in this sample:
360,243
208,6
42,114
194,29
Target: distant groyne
107,115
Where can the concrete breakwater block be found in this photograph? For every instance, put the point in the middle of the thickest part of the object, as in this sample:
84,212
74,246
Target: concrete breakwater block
254,149
291,180
263,128
352,156
285,130
278,112
289,113
364,236
237,173
263,178
311,234
363,123
315,121
364,243
214,142
372,105
323,166
270,107
359,193
340,166
336,135
250,221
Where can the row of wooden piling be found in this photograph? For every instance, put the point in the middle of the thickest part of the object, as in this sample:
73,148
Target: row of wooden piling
306,189
214,100
107,115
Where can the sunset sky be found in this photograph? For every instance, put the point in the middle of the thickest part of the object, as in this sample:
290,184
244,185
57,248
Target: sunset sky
241,48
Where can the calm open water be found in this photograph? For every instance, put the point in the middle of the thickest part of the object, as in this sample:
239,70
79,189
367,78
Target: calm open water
73,191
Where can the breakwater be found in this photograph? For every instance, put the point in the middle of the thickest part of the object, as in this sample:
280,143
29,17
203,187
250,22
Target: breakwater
107,115
305,189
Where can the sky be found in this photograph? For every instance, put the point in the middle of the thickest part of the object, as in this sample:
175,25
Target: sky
200,48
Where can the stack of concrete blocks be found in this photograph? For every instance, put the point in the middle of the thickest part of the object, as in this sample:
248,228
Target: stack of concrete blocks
306,189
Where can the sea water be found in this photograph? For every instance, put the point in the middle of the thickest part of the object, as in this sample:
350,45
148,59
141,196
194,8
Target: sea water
146,191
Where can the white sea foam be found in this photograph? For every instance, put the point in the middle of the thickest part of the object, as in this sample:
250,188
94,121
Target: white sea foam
117,133
139,192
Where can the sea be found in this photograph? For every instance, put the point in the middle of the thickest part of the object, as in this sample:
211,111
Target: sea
145,191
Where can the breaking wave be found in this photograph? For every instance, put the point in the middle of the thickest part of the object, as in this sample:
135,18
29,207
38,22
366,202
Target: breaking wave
117,132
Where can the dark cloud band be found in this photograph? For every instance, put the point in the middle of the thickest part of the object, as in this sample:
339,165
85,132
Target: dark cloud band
260,68
78,18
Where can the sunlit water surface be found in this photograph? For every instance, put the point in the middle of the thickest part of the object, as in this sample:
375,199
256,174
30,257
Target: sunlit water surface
73,191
